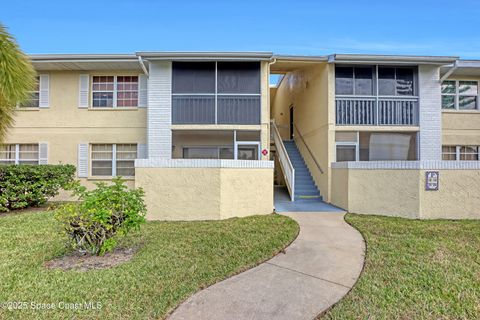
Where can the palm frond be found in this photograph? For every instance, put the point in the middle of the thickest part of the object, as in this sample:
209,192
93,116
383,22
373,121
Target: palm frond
17,79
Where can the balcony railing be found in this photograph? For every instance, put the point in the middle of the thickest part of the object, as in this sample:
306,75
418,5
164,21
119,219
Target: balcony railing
216,109
382,111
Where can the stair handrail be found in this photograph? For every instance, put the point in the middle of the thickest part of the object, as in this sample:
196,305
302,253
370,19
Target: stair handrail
308,149
284,159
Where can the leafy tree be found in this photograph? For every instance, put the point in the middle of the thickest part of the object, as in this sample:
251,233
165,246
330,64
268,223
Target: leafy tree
17,78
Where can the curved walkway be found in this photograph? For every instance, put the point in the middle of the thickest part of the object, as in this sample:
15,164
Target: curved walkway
316,271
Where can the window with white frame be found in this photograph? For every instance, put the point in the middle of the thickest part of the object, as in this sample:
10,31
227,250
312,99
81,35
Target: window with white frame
114,91
346,145
346,152
19,154
469,153
113,159
449,153
208,152
34,97
462,153
375,146
459,95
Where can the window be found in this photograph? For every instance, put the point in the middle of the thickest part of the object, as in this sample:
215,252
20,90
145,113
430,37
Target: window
216,92
463,153
346,146
114,91
346,152
449,153
368,146
127,91
208,153
247,152
19,154
396,81
34,99
354,80
459,95
387,146
216,144
113,159
468,153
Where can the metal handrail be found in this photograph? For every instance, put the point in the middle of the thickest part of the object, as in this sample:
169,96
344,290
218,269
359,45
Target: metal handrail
284,159
308,149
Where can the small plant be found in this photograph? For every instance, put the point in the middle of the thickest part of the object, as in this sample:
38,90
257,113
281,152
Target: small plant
23,186
103,216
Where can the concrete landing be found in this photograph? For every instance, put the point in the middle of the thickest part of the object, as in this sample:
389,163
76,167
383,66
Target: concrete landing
316,271
283,203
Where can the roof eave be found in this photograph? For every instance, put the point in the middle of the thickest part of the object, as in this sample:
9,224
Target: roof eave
203,55
396,59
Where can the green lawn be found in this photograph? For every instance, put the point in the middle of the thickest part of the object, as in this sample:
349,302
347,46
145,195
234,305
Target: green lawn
415,270
176,260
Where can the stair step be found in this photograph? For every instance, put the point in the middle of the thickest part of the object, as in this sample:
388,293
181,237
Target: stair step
308,198
305,188
310,193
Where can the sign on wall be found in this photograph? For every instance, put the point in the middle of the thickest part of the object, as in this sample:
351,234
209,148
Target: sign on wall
431,180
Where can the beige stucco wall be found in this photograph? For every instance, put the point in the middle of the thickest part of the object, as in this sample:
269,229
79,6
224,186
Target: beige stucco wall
458,195
340,193
63,125
461,128
402,193
205,193
308,90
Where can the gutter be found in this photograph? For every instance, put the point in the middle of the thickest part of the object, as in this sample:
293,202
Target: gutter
195,56
393,59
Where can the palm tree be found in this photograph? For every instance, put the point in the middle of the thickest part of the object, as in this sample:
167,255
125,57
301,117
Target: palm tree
17,79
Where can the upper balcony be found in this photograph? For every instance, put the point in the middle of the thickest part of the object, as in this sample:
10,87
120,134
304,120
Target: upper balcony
376,96
216,93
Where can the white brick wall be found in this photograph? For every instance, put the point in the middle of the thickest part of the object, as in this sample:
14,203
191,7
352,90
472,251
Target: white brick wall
430,117
202,163
159,134
403,165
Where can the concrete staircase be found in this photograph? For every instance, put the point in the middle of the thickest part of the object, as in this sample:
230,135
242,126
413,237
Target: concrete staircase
305,188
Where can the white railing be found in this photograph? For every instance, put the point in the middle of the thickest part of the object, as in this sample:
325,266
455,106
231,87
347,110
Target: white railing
367,110
285,163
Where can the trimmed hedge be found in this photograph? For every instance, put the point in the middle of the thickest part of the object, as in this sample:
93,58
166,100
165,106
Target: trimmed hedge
23,186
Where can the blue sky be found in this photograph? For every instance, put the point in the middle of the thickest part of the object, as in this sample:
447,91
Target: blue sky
284,27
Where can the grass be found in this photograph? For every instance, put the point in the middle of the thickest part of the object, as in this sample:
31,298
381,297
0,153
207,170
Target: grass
415,270
176,260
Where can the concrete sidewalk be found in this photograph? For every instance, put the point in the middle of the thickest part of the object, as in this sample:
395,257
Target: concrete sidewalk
316,271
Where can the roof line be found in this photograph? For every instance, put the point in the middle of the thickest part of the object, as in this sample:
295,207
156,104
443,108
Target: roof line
82,57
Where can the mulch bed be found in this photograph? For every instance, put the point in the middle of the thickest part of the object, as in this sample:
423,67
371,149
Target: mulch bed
85,262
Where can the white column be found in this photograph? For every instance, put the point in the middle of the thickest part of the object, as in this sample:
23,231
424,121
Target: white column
430,113
159,115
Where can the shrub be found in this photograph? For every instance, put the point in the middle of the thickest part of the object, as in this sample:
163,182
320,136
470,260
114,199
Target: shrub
103,216
23,186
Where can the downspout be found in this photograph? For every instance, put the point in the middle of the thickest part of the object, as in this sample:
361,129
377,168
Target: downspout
272,61
142,64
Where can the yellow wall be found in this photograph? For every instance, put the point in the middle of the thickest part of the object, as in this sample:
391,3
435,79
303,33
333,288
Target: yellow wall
63,125
402,193
205,193
457,197
308,90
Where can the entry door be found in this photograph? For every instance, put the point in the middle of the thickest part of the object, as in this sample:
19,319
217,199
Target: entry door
291,123
247,150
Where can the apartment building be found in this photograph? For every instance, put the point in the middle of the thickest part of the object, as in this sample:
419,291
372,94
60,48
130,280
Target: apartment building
208,137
